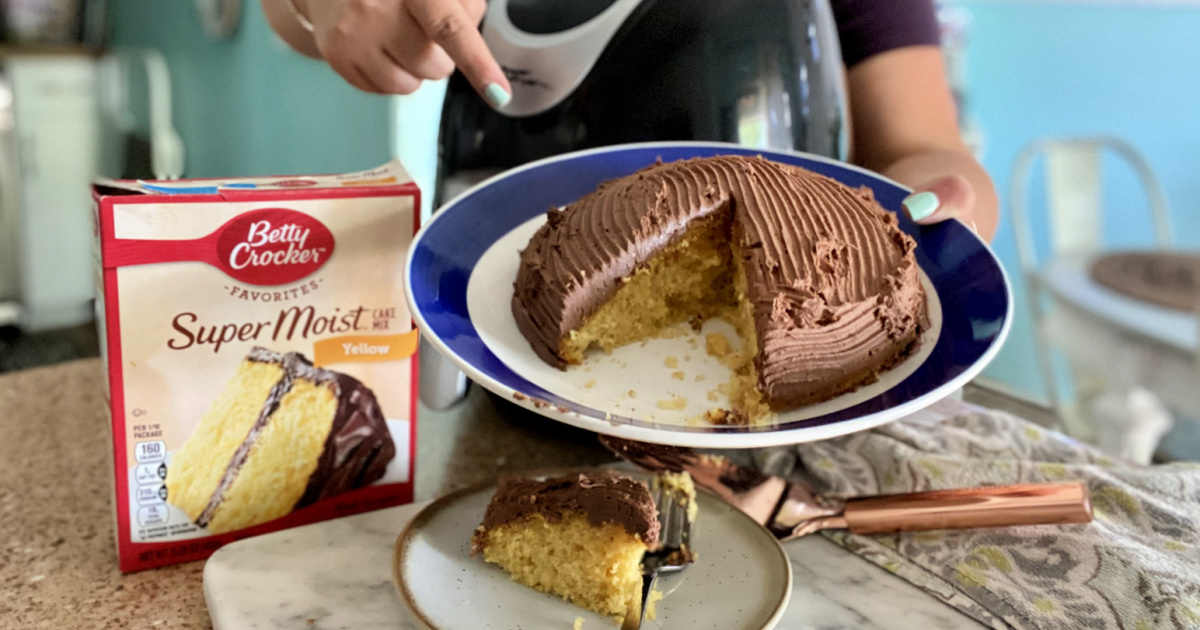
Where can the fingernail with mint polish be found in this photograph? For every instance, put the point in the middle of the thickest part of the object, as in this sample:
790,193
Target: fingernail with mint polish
921,205
496,95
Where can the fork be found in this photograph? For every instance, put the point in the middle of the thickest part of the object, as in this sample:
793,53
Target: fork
673,553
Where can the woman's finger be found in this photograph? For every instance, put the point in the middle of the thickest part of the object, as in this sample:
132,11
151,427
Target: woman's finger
449,26
944,198
412,50
389,77
343,64
475,10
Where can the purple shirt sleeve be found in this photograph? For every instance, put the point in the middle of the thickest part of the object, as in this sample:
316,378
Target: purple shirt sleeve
870,27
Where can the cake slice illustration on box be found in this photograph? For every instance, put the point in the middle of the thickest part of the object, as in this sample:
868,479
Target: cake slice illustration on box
282,435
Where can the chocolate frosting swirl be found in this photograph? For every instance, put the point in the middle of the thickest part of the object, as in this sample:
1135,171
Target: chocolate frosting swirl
833,282
604,497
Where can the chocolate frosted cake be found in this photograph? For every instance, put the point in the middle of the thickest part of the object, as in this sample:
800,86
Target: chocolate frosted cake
282,435
818,278
579,536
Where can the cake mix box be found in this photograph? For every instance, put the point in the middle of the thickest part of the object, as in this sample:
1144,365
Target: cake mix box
261,358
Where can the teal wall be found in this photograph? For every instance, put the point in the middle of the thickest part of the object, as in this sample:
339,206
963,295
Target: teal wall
1037,69
248,105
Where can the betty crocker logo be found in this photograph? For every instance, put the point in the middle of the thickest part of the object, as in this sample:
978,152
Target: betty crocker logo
273,246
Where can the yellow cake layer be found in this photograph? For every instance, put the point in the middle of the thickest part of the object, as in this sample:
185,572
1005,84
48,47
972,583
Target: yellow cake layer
696,278
197,468
597,568
688,280
275,474
744,394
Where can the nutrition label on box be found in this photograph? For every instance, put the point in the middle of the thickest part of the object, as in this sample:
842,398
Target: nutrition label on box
151,475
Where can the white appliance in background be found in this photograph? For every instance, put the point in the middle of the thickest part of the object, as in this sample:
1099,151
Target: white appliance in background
10,202
71,120
57,138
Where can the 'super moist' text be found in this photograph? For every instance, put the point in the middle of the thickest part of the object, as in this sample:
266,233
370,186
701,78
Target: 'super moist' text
292,322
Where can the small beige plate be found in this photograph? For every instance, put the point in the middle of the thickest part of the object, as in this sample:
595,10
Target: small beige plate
741,581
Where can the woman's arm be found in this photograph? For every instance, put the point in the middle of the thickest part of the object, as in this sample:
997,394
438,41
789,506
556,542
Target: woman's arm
904,125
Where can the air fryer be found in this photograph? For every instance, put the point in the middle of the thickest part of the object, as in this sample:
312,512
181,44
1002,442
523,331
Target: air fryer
591,73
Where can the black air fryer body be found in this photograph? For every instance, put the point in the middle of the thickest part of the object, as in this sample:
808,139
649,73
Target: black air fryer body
591,73
761,73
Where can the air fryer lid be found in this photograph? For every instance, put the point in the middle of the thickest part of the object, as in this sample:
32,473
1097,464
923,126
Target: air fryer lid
547,47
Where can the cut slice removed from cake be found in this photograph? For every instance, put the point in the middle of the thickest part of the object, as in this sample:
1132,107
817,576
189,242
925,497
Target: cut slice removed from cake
282,435
580,536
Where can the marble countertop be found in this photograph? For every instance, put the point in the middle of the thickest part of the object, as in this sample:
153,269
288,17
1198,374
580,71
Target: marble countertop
282,580
58,566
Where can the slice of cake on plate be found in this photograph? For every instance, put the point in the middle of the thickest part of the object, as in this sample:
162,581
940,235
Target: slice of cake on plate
282,435
579,536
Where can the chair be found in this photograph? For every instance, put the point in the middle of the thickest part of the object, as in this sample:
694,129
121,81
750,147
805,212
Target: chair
1075,220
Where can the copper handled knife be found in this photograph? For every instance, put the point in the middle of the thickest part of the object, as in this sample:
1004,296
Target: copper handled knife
790,510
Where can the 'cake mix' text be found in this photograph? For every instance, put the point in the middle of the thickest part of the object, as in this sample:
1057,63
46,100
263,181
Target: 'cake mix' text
291,322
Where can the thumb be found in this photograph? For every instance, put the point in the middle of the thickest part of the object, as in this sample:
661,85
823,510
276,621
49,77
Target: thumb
941,199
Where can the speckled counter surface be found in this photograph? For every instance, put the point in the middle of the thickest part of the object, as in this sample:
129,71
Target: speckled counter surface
58,565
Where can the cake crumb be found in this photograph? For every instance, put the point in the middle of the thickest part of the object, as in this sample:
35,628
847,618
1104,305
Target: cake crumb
682,490
677,375
672,332
578,624
712,396
652,603
726,417
671,362
700,378
674,402
717,345
631,394
590,384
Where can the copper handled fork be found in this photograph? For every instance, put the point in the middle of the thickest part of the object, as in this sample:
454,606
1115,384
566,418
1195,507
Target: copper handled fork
673,553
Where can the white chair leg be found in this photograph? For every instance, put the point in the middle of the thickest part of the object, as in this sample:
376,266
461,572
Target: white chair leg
1130,423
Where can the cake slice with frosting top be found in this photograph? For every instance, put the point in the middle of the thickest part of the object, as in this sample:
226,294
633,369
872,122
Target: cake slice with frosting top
579,536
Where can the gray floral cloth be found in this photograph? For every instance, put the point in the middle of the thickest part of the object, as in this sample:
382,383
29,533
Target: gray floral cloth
1135,567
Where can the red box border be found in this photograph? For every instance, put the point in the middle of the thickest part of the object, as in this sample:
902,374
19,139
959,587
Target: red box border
133,556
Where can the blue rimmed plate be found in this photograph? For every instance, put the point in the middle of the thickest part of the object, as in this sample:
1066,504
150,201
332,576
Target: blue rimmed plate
463,262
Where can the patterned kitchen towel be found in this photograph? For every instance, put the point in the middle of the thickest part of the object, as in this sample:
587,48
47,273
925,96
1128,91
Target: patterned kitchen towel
1136,567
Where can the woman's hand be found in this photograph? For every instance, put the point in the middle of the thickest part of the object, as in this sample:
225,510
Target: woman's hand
391,46
904,126
950,197
947,185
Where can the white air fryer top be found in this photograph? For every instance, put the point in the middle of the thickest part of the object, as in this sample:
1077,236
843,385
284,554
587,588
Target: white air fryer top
544,67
